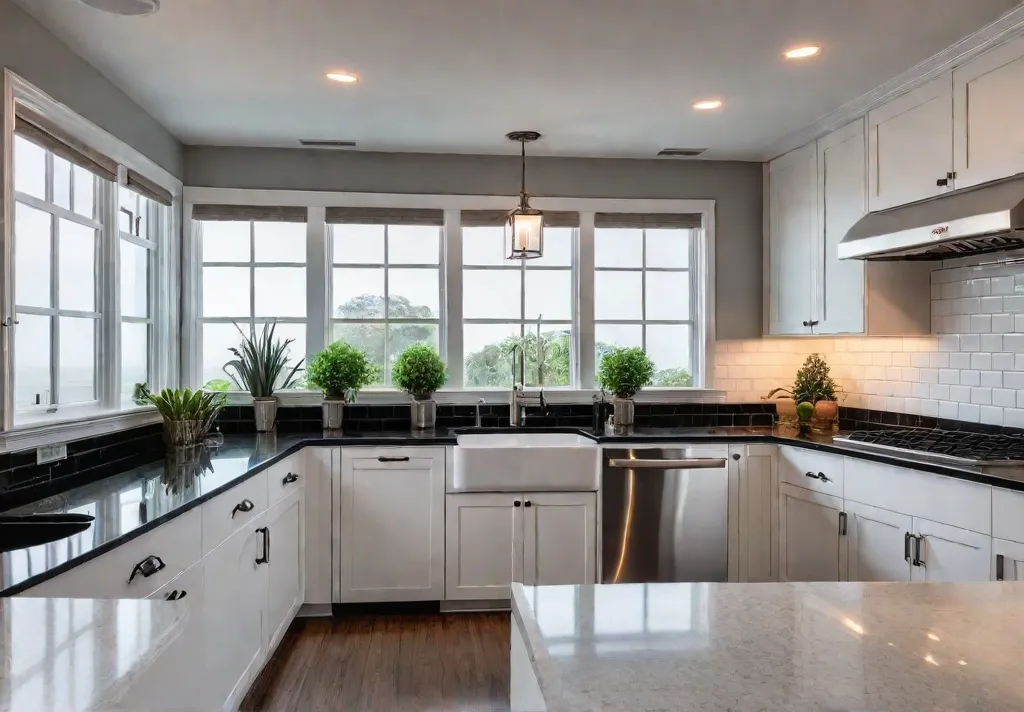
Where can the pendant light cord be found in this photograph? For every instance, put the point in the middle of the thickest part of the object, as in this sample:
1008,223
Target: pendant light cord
522,189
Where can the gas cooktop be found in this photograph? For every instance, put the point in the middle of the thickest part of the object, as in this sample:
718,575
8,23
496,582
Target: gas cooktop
954,447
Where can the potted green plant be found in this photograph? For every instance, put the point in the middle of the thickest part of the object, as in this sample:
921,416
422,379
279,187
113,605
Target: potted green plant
623,372
340,371
419,371
188,415
261,366
814,385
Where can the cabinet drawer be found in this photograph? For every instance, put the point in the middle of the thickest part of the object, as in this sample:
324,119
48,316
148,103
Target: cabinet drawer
285,478
811,470
1007,514
946,500
227,513
177,544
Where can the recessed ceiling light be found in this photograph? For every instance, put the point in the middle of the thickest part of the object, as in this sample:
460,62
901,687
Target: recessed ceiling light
803,52
707,104
343,77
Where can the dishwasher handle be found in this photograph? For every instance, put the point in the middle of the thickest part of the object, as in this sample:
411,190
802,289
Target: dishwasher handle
696,463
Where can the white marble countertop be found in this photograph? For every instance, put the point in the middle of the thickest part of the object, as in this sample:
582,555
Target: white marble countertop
78,655
776,647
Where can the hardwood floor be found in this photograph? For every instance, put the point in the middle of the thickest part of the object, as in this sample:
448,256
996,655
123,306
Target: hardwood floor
456,662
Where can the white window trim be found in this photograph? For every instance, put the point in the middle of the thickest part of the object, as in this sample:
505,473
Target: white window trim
317,201
107,415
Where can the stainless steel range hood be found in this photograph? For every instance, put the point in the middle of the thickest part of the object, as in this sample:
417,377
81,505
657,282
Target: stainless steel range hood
984,218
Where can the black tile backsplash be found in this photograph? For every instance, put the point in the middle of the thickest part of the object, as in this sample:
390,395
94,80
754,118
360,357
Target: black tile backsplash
862,419
89,460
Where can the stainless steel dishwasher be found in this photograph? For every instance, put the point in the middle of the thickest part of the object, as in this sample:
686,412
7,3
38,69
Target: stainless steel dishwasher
665,515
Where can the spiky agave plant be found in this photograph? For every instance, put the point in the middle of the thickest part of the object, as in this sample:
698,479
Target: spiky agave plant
261,363
188,415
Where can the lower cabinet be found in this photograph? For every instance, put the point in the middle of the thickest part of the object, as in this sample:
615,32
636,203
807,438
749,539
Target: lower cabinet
544,538
880,543
948,553
809,536
753,513
391,525
236,595
286,589
1007,560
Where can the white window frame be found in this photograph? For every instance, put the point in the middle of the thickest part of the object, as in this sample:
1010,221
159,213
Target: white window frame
387,320
319,322
107,414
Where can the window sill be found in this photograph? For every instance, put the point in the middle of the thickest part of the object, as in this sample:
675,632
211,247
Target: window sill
68,425
490,395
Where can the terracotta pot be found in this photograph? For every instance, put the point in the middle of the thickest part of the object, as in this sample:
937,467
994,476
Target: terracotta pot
826,415
785,409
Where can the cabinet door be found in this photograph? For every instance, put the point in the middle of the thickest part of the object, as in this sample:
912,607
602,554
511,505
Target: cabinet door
286,588
159,687
754,506
1007,560
951,554
559,538
483,545
842,201
988,100
879,547
392,525
910,146
234,614
809,536
792,215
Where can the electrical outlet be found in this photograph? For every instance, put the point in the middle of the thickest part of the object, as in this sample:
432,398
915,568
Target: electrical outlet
51,453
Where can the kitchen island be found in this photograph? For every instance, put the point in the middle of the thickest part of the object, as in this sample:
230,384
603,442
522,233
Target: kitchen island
78,655
770,647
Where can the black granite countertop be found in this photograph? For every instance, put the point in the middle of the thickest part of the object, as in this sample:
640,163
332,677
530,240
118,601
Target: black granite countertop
129,504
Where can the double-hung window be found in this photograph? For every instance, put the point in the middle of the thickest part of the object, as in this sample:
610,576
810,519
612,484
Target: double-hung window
253,273
508,303
385,281
644,290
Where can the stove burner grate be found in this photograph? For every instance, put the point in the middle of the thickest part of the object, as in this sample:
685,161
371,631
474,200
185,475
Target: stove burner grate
952,443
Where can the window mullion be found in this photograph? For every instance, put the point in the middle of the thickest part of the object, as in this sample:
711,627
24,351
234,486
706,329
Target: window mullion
387,310
318,277
252,277
583,321
451,342
108,271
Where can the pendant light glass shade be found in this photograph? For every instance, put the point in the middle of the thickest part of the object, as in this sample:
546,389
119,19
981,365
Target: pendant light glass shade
524,226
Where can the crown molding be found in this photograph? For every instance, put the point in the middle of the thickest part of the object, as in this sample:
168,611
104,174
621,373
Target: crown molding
1006,27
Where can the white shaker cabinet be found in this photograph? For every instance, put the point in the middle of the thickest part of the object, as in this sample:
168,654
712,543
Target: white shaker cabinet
988,101
286,587
483,545
559,538
391,524
810,526
1007,560
839,306
880,543
947,553
910,146
753,513
235,575
793,215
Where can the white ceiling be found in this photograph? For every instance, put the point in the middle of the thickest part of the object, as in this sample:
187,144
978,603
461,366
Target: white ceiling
596,77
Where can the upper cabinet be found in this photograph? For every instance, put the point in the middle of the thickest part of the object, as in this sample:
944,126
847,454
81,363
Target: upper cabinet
988,101
910,146
793,214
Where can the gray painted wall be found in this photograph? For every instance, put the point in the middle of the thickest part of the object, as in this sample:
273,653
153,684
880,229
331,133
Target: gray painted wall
735,186
29,49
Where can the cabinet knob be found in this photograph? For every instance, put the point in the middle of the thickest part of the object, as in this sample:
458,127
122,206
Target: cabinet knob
516,503
528,503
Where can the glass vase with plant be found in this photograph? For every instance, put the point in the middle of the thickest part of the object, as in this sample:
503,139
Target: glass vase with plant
419,371
188,415
340,371
262,366
623,372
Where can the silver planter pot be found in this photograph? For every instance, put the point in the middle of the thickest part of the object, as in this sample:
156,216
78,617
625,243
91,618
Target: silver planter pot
424,414
622,415
333,411
265,410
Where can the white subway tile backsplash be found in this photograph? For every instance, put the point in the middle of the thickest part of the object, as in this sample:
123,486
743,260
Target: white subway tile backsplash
991,416
1002,285
970,342
960,360
1002,362
970,378
990,343
960,394
992,379
1002,323
981,361
949,342
981,324
970,413
1004,397
949,376
981,396
939,360
1013,417
949,410
991,305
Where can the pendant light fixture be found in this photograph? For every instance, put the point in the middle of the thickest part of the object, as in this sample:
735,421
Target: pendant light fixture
524,226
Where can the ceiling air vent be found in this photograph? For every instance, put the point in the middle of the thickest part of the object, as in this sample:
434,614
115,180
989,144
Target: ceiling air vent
125,7
325,143
683,152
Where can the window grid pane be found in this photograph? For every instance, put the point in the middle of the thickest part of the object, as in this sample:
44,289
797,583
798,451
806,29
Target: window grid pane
385,289
642,298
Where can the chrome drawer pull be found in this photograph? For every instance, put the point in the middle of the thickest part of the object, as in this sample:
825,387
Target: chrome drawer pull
696,463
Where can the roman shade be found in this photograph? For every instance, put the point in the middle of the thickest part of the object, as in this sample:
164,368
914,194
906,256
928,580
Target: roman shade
39,130
498,218
144,186
650,221
261,213
386,216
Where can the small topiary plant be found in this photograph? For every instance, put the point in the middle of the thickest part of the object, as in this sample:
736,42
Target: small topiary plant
814,381
340,371
419,371
624,371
